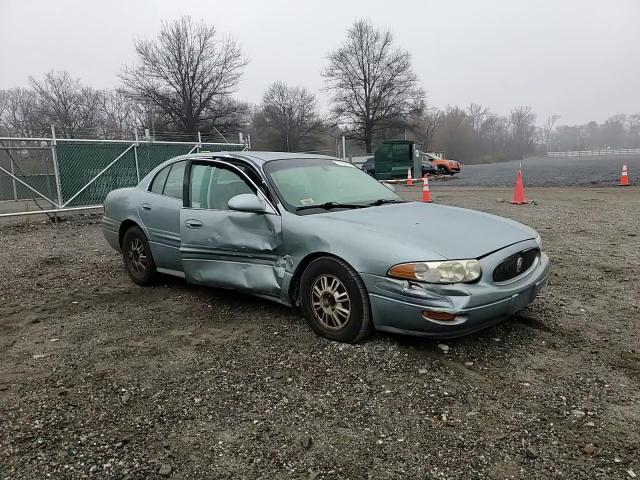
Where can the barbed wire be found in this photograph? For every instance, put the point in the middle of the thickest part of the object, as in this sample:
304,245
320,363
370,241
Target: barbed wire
119,134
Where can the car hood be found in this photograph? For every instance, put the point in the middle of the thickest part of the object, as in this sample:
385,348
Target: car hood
449,232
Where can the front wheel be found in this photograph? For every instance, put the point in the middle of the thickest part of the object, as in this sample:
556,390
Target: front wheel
335,301
138,260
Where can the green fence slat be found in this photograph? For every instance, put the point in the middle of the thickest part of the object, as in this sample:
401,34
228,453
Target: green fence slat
150,155
79,163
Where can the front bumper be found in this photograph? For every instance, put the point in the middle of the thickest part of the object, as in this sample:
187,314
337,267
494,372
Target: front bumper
397,305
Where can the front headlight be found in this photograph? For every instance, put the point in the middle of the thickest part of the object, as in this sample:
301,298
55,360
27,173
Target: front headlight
539,241
448,271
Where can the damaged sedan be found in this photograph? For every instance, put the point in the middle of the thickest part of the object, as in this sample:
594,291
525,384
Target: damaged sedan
316,232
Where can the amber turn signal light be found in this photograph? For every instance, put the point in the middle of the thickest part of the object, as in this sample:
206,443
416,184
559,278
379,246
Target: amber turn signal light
440,316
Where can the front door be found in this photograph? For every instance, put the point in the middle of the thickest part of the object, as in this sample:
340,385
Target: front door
225,248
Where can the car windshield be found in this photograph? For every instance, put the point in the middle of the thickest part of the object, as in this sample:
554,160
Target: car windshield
327,184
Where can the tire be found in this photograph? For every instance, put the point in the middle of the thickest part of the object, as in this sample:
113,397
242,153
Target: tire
137,257
442,170
324,303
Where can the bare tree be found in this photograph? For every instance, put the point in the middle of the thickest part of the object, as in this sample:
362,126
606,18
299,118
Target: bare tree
287,117
117,113
225,117
634,130
522,123
455,134
18,112
186,71
371,82
425,125
66,103
477,114
547,128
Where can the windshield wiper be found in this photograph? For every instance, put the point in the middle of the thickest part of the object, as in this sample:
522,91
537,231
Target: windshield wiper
331,205
382,201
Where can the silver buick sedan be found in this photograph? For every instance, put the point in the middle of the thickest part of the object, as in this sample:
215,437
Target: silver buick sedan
316,232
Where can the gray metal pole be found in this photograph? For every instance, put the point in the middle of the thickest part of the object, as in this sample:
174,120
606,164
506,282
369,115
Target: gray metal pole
199,141
344,148
56,170
135,155
13,180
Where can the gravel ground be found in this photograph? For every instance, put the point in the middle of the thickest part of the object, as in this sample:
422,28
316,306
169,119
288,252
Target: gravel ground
550,172
100,378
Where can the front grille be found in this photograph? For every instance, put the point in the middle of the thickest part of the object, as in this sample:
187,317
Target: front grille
512,266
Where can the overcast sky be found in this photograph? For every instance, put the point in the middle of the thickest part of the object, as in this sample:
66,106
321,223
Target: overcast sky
576,58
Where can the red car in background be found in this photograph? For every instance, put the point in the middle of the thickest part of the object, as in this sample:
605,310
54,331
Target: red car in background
444,166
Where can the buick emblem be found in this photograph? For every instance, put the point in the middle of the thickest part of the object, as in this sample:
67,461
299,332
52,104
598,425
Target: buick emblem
519,264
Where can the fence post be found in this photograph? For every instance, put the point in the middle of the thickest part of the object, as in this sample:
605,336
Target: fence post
135,155
56,170
199,141
13,180
344,148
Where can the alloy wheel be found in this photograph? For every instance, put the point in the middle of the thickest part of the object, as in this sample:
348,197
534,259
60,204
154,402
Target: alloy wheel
330,302
137,255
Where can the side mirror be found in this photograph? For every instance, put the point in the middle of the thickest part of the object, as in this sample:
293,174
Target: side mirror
247,202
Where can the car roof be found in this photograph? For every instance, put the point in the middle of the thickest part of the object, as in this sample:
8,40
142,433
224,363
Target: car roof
257,159
260,158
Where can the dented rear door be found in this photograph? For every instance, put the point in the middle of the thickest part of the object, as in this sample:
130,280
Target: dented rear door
224,248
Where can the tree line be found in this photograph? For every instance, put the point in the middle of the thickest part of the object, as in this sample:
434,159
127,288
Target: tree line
185,80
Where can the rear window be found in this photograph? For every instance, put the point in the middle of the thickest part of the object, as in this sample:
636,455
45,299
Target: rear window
175,181
157,185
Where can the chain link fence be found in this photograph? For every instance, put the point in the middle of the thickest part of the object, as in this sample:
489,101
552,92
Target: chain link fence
50,175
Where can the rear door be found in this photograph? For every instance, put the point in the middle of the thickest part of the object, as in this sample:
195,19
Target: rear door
160,214
225,248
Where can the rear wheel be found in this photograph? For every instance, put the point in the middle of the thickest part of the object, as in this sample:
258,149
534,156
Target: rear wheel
138,260
335,301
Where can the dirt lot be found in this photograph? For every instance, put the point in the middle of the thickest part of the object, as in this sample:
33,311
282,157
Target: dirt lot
103,379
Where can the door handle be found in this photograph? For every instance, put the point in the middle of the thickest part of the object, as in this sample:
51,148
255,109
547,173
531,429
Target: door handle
191,223
146,206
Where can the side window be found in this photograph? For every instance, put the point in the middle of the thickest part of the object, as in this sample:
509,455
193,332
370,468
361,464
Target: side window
212,187
199,185
173,187
157,185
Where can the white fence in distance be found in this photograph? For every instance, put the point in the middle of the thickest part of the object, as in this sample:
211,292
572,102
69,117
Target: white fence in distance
596,153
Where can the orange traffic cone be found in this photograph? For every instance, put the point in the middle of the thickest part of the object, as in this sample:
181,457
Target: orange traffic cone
409,179
518,192
624,176
426,195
